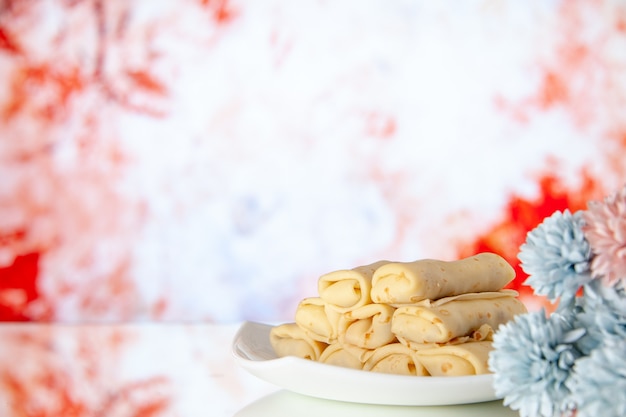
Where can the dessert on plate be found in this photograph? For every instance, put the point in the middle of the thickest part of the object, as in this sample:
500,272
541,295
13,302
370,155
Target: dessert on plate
423,318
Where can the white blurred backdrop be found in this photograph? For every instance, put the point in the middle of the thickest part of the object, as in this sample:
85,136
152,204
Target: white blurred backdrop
208,160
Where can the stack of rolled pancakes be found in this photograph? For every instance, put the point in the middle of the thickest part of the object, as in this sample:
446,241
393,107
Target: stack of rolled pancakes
427,317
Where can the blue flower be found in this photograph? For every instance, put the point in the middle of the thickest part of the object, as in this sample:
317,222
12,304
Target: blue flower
532,358
574,361
598,383
613,297
602,313
557,256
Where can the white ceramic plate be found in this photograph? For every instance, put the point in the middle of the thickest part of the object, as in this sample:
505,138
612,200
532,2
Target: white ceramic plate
253,352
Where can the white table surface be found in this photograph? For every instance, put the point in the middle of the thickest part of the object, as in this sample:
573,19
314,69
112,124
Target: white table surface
151,369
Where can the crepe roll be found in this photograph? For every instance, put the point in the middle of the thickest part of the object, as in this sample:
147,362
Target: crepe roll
318,320
341,355
410,282
395,358
289,339
456,360
445,319
367,327
348,289
483,333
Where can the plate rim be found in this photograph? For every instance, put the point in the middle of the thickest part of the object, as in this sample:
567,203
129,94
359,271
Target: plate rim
277,370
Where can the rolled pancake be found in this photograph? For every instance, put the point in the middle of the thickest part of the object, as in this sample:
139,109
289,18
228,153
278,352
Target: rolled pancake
483,333
445,319
348,289
367,327
341,355
395,358
289,339
318,320
456,360
410,282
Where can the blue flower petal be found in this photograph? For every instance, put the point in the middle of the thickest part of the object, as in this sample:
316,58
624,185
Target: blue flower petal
531,362
598,383
556,256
